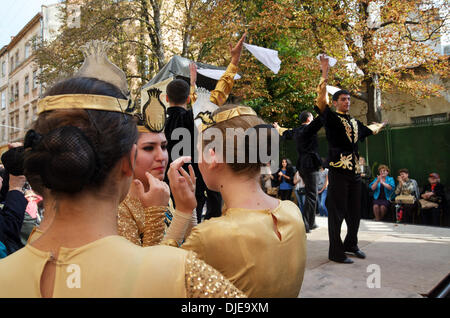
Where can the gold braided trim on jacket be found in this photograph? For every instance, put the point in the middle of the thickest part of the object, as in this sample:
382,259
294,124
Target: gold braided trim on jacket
344,163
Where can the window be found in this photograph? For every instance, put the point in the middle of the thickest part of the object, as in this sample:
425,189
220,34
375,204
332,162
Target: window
11,95
3,101
3,69
34,111
447,49
16,91
26,87
430,119
11,123
11,64
35,79
17,59
3,131
27,50
26,117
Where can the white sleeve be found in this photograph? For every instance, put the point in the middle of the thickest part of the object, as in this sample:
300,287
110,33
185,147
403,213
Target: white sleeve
177,229
192,224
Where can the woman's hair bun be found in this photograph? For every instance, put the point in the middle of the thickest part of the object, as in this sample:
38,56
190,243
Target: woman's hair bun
64,159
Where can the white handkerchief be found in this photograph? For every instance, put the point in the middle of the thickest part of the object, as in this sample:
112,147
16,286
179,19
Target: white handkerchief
214,74
266,56
331,89
331,60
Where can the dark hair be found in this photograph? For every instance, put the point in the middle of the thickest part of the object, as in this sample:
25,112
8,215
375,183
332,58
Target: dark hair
403,170
287,162
178,91
70,149
304,115
339,93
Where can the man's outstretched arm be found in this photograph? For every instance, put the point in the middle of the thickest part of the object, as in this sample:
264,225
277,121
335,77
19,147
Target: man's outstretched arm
322,97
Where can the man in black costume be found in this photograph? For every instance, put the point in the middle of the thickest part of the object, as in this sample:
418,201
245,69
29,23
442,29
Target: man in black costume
308,162
344,190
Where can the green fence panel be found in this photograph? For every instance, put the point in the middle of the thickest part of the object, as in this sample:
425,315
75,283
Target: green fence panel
420,149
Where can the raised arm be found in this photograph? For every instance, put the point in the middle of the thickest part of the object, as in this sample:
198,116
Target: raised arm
322,97
224,86
279,129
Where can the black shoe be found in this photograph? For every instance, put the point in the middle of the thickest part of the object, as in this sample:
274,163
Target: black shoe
344,261
358,254
315,226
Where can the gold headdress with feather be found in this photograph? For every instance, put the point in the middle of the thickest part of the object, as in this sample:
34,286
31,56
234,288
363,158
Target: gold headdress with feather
96,65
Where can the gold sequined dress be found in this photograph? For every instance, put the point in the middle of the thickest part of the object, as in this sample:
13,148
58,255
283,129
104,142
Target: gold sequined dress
140,225
113,267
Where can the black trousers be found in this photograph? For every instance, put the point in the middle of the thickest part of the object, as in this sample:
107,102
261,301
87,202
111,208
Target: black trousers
285,194
431,216
310,178
343,203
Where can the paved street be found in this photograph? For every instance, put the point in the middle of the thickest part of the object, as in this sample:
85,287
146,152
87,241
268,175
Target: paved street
412,260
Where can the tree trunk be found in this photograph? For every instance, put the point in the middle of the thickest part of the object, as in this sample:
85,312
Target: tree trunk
158,33
373,100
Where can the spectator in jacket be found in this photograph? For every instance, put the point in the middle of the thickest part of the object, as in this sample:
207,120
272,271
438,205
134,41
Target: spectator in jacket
285,176
383,186
434,191
406,187
12,215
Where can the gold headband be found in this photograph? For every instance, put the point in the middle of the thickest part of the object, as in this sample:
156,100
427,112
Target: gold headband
84,101
143,129
208,120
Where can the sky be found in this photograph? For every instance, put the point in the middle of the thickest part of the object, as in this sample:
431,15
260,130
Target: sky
15,14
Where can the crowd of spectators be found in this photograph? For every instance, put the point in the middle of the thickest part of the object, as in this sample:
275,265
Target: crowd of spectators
384,197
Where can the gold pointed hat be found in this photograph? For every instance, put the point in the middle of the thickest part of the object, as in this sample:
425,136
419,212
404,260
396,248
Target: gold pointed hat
96,65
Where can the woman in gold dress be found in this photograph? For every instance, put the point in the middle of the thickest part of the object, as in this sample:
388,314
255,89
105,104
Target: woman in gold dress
259,242
82,150
146,212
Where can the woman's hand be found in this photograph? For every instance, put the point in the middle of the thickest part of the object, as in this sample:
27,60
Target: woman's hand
193,73
237,50
158,193
324,66
182,185
16,182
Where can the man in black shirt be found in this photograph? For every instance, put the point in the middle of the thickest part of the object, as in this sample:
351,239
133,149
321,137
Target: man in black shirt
308,162
344,191
180,117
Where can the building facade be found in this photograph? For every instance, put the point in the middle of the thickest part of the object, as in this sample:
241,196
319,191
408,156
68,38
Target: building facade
19,85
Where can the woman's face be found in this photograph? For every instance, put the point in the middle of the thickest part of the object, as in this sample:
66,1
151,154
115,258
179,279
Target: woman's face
384,172
284,163
152,156
404,176
432,180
